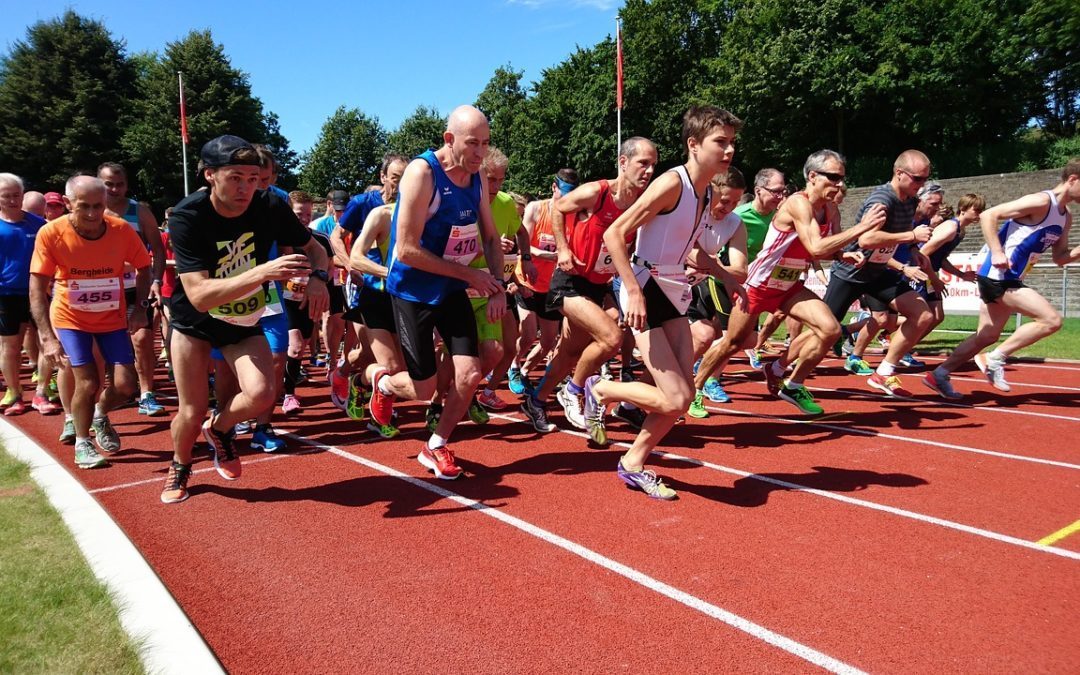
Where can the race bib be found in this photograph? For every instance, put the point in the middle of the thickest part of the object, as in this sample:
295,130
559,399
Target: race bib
129,276
1032,259
604,265
510,261
295,288
676,287
242,312
787,273
882,255
547,243
463,244
94,295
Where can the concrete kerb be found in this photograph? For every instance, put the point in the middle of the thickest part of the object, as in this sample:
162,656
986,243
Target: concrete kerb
168,641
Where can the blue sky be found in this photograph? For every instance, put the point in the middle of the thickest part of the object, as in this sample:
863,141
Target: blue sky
304,59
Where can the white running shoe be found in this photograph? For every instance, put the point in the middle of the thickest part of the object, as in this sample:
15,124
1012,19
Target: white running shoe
994,370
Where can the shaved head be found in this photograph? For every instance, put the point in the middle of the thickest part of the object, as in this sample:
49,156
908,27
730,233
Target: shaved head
467,138
79,186
911,160
466,119
34,202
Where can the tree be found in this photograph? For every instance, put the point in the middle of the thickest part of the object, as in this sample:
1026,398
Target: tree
1052,28
63,98
420,131
286,157
218,100
346,156
503,101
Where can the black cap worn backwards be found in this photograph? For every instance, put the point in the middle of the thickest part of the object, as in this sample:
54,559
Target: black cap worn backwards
222,150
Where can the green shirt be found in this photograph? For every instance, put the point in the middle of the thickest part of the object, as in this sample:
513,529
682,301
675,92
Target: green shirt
757,226
507,223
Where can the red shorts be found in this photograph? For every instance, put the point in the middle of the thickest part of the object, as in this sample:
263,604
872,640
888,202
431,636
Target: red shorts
769,299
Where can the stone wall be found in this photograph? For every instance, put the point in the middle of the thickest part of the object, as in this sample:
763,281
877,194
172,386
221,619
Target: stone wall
998,188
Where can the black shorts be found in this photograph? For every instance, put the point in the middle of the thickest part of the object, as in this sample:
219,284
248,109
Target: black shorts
416,322
218,333
512,306
537,304
337,299
14,312
129,298
711,301
992,289
565,285
872,304
887,287
299,319
658,309
375,310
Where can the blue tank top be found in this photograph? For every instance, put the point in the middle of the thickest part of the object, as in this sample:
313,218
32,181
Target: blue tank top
452,214
945,250
1024,243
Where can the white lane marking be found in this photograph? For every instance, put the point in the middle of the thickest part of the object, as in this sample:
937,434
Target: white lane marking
1017,384
196,472
693,602
904,513
168,642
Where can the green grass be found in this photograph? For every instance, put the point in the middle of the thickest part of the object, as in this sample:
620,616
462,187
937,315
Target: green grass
55,616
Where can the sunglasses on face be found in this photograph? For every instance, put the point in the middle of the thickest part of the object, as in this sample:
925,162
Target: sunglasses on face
914,178
831,177
778,192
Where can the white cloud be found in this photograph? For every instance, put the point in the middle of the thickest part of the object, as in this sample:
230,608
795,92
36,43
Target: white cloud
602,5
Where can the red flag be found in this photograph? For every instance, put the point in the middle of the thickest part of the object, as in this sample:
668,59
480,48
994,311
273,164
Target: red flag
183,115
618,67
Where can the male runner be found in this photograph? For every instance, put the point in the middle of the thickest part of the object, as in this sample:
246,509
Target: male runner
769,192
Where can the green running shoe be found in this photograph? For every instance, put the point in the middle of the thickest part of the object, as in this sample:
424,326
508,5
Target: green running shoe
477,414
87,457
697,408
800,397
857,366
356,402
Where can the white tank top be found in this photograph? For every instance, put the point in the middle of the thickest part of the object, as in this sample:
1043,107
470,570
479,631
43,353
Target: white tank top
666,240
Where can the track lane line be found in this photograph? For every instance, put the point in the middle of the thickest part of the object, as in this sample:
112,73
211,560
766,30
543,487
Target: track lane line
1060,534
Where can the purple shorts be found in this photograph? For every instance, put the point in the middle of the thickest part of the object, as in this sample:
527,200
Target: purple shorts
115,346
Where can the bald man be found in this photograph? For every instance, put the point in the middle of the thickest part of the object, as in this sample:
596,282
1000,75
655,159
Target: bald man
881,275
34,202
442,220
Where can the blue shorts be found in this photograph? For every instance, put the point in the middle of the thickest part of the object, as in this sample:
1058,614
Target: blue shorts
115,346
276,330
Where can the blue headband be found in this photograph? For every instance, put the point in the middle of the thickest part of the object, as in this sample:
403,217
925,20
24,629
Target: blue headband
564,187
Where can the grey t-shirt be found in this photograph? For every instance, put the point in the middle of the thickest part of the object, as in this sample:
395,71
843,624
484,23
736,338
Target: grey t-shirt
899,215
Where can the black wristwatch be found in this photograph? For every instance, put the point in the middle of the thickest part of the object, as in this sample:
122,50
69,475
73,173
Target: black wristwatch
526,256
321,275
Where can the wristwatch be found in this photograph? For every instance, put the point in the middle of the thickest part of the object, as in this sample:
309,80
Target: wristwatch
321,275
526,256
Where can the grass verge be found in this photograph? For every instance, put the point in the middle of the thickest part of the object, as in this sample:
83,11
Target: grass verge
1064,344
55,616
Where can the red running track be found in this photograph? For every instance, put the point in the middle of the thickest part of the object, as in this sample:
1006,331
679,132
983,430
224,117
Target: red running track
888,536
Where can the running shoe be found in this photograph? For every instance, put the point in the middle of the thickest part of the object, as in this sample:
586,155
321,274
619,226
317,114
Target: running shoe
380,405
572,407
52,392
994,370
34,376
697,408
890,385
646,481
301,376
387,431
635,417
942,384
605,371
221,445
516,381
354,406
909,361
441,461
175,489
107,438
773,382
537,414
491,400
245,427
883,340
9,398
800,397
44,406
431,416
266,439
715,392
86,457
755,358
290,405
857,366
838,347
847,347
339,389
594,413
17,407
477,414
149,406
67,434
627,374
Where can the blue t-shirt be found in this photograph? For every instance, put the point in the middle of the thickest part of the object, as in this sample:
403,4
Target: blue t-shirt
16,249
324,225
452,213
284,196
352,220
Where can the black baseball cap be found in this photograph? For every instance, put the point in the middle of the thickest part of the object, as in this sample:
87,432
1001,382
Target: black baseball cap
339,199
222,150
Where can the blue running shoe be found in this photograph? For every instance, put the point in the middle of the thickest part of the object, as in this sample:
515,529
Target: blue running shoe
755,359
149,406
909,361
715,392
266,439
516,381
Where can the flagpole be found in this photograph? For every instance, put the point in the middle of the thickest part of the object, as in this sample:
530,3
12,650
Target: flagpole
183,131
618,87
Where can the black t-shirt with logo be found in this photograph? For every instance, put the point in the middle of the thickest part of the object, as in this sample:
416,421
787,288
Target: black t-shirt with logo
205,241
899,214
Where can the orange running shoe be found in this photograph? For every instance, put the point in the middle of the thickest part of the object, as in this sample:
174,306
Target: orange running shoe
381,406
221,445
441,461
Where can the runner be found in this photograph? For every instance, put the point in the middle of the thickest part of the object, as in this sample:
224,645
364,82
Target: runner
1033,224
84,256
800,232
769,193
356,213
442,207
882,277
590,336
144,224
333,324
221,240
532,293
54,206
18,228
655,293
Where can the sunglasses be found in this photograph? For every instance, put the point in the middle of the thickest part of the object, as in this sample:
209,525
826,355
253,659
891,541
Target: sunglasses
914,178
832,177
778,192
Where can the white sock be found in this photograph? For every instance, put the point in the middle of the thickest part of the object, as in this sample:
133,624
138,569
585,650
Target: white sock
384,386
435,442
79,439
98,414
886,369
996,355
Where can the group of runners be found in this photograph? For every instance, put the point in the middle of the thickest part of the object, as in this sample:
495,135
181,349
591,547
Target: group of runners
436,286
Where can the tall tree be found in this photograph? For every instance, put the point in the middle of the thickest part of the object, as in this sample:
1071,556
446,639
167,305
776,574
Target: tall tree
63,96
503,101
1052,28
286,157
418,132
346,156
218,99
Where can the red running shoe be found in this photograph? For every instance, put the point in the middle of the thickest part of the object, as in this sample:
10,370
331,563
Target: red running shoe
441,461
381,406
